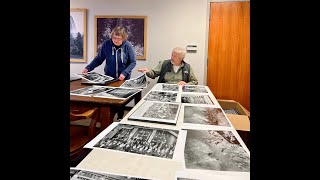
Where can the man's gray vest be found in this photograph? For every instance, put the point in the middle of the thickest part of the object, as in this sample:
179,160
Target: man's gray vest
166,65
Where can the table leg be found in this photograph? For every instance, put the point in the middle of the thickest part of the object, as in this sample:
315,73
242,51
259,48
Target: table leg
137,97
106,116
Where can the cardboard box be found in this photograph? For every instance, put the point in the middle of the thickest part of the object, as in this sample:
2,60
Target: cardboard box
240,122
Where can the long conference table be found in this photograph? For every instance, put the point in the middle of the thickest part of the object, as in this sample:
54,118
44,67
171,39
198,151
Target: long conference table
108,161
107,107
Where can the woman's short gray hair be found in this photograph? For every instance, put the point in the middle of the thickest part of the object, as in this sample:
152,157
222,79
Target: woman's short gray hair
119,31
181,51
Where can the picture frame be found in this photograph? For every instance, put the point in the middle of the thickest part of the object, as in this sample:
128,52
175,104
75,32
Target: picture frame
78,35
136,28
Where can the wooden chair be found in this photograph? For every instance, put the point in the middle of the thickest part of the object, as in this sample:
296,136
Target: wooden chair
80,135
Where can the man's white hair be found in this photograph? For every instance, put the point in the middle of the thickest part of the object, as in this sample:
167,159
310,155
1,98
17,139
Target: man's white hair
181,51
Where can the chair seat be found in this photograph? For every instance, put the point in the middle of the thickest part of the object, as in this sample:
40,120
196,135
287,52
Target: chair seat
83,128
78,138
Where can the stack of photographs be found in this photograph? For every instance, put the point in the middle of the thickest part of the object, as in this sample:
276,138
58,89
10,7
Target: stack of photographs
105,92
142,140
118,93
138,82
160,112
84,174
94,77
90,90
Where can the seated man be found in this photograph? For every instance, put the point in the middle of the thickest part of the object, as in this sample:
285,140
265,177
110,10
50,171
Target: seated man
174,70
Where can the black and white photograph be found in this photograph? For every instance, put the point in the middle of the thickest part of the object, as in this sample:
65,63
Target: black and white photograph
95,77
76,174
207,175
90,90
160,112
165,87
215,150
162,96
136,27
118,93
196,99
138,82
78,35
140,140
194,88
170,87
73,172
205,115
232,111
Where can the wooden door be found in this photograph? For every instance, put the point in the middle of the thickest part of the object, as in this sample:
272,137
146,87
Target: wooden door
228,71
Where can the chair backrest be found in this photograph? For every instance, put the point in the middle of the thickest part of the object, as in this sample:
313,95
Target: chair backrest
80,135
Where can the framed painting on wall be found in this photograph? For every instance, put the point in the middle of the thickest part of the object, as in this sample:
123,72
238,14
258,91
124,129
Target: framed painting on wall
78,35
136,27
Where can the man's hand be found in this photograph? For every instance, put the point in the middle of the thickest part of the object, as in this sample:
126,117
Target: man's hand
84,71
121,77
144,70
182,83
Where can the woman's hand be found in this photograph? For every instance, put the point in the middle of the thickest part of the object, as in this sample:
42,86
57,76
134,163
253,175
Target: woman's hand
121,77
84,71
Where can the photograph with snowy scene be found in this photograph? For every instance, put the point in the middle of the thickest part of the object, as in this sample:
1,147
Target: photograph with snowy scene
205,115
215,150
78,35
135,26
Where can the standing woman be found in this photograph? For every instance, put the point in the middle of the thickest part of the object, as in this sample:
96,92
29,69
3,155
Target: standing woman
119,56
118,53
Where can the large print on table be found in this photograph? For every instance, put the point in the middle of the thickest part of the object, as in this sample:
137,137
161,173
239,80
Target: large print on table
90,90
161,112
118,93
141,140
161,96
196,99
95,77
77,173
205,115
215,150
138,82
194,88
166,87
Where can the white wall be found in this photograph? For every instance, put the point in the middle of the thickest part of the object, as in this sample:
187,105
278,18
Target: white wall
170,23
